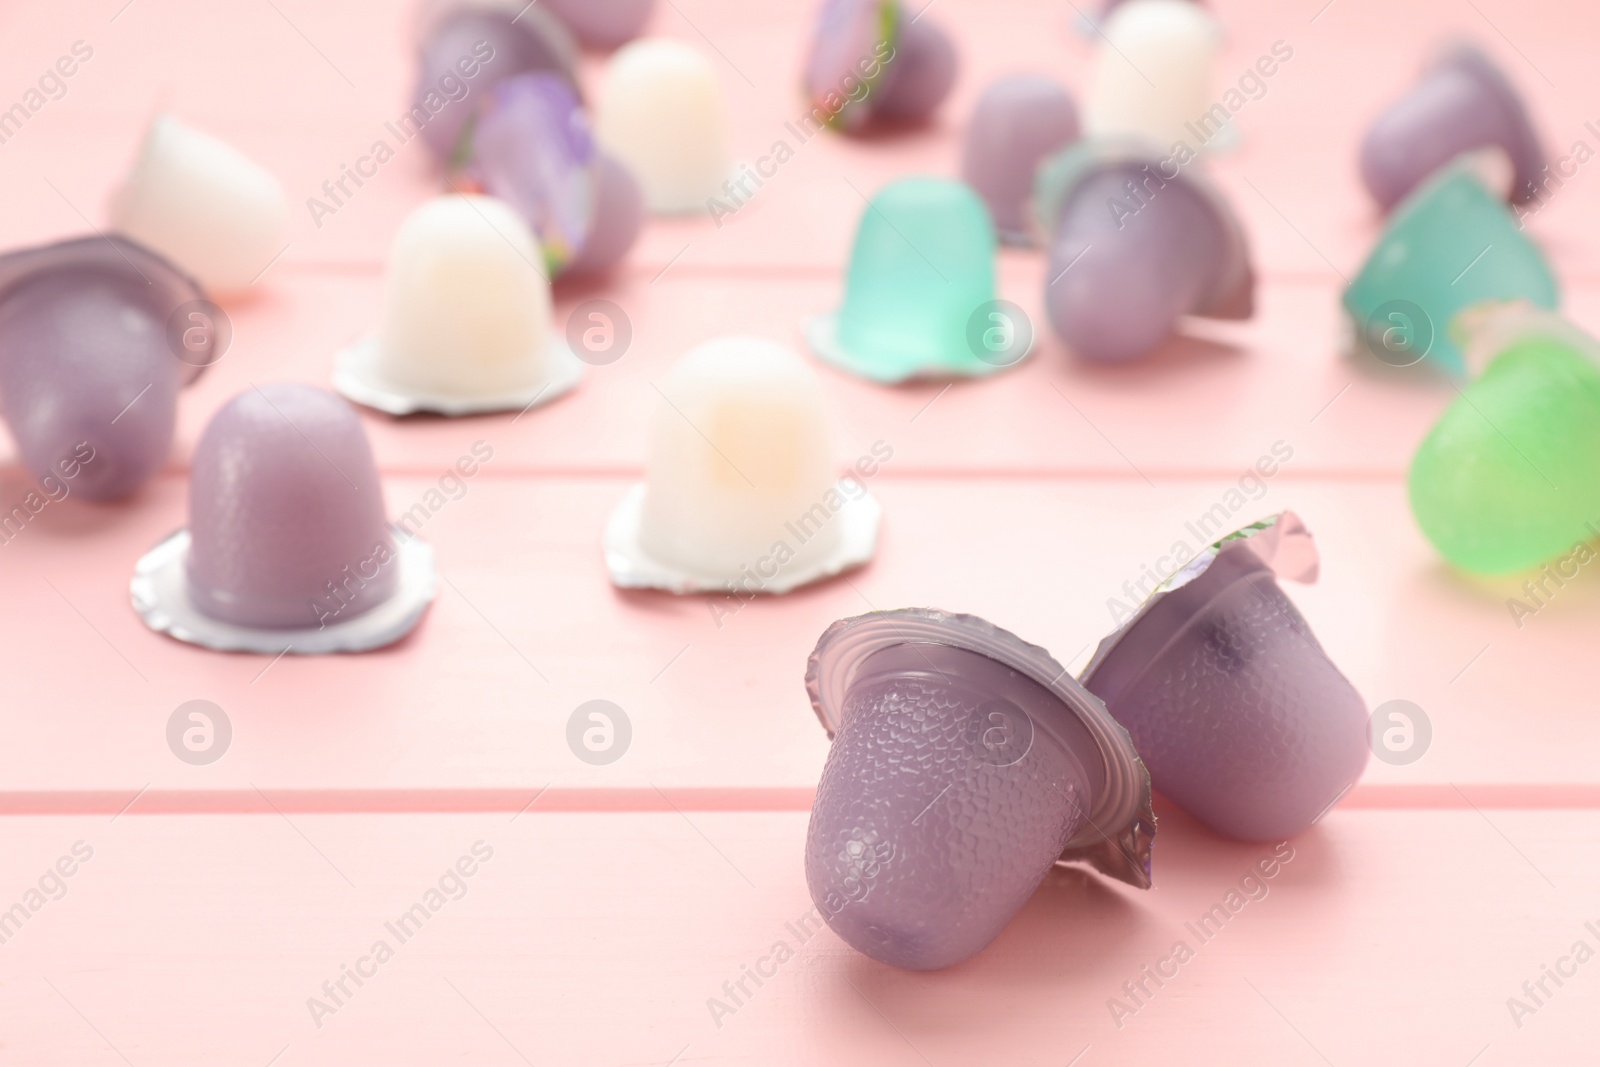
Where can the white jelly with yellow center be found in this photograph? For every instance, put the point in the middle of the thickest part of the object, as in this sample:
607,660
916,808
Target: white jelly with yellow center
741,468
215,213
1153,75
662,112
467,311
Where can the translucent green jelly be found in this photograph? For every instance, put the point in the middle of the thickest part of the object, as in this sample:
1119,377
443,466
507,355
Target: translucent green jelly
1449,245
922,267
1510,475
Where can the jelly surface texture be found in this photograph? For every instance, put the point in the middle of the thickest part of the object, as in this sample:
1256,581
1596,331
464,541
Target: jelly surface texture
942,806
1509,477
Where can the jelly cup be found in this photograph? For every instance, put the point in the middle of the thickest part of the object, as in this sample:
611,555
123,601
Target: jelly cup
1243,720
1509,477
466,323
662,114
204,205
921,274
287,548
965,764
1136,242
741,491
1450,245
1153,73
1462,104
1018,122
96,339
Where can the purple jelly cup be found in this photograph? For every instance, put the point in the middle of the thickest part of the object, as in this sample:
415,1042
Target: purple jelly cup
850,51
965,764
531,147
1137,240
287,547
1463,103
1018,122
467,48
604,24
1240,715
870,62
94,346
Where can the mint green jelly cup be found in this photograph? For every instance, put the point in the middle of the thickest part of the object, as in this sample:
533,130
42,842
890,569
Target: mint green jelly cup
1449,245
1509,477
921,272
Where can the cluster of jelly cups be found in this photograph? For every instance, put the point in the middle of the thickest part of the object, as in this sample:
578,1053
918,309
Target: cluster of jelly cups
965,762
1158,241
498,101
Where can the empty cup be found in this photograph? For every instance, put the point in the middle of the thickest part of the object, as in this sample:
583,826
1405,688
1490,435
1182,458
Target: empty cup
661,112
741,491
1153,72
204,205
1509,477
1019,121
1236,709
965,764
467,46
466,319
531,147
920,291
1452,244
604,24
870,60
1136,243
287,547
1463,104
95,341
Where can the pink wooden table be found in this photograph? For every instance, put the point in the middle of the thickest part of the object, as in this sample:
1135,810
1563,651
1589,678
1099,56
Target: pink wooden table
215,901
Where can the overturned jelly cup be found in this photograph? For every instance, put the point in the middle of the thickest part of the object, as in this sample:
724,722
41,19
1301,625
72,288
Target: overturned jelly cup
1236,709
1463,104
1452,244
1136,241
871,62
965,764
1509,477
95,342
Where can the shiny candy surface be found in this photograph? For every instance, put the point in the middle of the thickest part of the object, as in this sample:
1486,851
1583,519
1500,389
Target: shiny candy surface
1232,703
286,514
1509,477
90,364
1452,244
1462,103
1018,121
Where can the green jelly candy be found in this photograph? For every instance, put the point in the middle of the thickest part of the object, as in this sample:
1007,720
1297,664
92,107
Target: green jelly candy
1449,245
920,294
1509,477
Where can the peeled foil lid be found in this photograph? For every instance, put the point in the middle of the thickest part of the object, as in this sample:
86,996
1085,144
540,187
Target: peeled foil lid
358,376
160,595
1281,542
631,567
1230,296
169,287
1119,833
